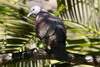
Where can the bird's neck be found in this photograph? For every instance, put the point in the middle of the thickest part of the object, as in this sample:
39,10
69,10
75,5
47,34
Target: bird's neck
42,13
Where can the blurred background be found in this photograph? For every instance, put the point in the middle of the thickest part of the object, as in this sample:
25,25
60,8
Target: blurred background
81,18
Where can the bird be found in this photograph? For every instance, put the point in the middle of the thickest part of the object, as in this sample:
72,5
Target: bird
51,31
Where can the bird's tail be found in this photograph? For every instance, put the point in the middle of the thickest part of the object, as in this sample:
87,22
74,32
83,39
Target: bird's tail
59,51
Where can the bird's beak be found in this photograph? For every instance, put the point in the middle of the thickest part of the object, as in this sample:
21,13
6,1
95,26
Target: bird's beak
30,13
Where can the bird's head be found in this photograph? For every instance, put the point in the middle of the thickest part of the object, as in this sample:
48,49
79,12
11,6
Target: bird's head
34,10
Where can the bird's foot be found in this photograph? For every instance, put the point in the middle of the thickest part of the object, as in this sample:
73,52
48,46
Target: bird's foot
48,51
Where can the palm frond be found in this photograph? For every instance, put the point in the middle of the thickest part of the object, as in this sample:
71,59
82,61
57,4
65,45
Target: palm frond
17,30
81,18
80,11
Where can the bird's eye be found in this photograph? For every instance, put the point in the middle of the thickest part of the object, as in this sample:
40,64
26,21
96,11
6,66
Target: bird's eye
33,9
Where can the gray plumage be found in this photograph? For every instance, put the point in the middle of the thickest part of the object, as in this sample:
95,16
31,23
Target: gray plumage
52,32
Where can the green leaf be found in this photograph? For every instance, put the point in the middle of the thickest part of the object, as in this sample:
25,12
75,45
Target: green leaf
1,22
4,10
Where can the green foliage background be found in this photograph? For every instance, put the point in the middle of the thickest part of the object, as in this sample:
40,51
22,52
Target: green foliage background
81,18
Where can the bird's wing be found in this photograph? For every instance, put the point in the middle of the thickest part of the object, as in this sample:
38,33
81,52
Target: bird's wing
46,26
43,27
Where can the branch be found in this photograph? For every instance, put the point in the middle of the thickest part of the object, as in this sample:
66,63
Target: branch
34,54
